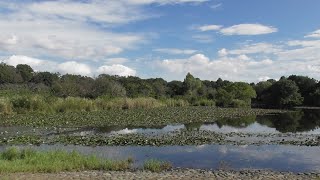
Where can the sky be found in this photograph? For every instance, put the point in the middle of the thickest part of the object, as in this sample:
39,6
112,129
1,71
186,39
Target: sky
235,40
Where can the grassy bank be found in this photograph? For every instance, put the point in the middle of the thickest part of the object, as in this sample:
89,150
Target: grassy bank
26,160
22,104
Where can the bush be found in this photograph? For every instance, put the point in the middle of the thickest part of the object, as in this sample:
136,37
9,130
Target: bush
236,103
21,103
5,107
204,102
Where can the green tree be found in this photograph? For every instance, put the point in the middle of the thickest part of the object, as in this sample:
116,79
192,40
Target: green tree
224,98
242,91
285,93
8,74
25,71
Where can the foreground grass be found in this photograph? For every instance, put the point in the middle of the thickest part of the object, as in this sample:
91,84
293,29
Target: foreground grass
155,165
14,160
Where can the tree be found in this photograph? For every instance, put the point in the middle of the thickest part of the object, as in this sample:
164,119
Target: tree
285,93
306,87
191,84
8,74
25,71
242,91
175,88
45,78
106,86
224,98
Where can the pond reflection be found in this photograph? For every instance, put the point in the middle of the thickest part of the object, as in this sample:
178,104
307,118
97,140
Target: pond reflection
274,157
301,121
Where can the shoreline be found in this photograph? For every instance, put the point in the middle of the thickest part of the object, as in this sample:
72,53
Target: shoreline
172,174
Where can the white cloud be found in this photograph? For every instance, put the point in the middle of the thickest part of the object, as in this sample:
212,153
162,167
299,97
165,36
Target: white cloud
234,66
36,64
71,29
314,34
209,27
255,48
248,29
72,67
216,6
176,51
116,69
111,61
64,29
223,52
139,2
203,38
264,78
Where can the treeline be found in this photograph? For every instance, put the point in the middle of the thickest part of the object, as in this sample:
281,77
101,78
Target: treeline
286,92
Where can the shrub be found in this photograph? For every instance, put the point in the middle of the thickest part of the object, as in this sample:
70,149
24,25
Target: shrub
21,103
236,103
154,165
5,106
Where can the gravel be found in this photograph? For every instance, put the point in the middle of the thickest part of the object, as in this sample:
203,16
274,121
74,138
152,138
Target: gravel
183,174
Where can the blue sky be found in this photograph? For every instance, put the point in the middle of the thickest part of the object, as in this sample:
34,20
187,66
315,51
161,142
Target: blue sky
245,40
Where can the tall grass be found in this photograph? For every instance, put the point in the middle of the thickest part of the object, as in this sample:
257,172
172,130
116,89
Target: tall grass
154,165
50,104
128,103
26,160
5,106
72,104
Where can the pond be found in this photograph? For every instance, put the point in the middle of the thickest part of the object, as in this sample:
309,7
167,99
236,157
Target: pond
226,157
304,121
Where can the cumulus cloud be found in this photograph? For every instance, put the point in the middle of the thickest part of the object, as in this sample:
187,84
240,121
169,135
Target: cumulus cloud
251,62
36,64
314,34
72,67
176,51
116,69
64,28
223,52
209,28
248,29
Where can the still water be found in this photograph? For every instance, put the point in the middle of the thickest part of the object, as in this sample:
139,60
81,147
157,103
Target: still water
301,121
273,157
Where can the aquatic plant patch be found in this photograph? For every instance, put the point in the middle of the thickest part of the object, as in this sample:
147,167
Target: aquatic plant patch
130,117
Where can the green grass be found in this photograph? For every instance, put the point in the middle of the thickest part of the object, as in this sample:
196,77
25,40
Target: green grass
155,165
23,104
26,160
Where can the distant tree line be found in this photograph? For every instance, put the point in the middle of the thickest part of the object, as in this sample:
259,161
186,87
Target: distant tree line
284,93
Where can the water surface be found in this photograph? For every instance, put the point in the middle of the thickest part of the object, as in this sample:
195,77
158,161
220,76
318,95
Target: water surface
273,157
